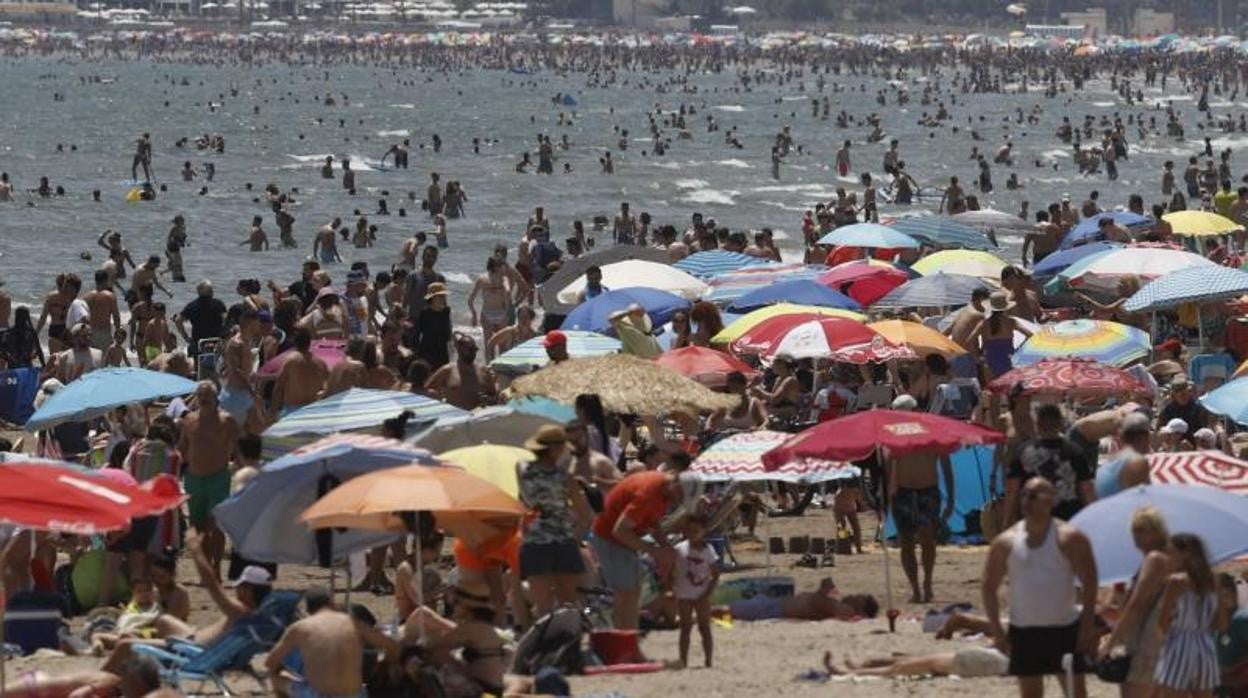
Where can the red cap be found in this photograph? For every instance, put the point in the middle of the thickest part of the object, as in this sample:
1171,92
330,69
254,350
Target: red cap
1170,345
554,338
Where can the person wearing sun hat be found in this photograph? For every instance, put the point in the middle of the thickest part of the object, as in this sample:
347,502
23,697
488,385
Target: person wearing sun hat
550,551
433,327
995,335
632,326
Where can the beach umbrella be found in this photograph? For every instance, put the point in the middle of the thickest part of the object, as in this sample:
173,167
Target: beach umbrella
1216,516
331,351
1200,223
504,425
1199,284
966,262
992,219
96,393
1070,378
818,338
1059,261
1229,400
800,292
464,505
42,496
709,263
921,339
738,458
556,412
530,355
490,462
871,235
262,520
941,232
353,410
1089,230
1110,343
866,281
706,366
626,385
728,287
752,319
594,314
1144,263
1210,468
935,291
898,432
638,272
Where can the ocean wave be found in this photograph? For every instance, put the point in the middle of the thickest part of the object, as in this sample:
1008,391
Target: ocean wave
690,184
734,162
402,133
729,107
710,196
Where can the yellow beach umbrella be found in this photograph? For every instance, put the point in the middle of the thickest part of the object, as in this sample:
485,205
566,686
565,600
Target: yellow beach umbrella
922,339
493,463
968,262
1200,223
747,322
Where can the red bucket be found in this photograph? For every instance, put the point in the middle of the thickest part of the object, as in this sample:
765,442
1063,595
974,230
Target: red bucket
616,646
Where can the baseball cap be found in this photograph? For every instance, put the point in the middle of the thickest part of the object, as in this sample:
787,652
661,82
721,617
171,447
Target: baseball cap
255,576
1205,435
1175,426
554,338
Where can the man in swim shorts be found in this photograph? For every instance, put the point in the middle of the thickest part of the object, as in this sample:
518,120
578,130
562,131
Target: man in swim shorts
208,440
914,493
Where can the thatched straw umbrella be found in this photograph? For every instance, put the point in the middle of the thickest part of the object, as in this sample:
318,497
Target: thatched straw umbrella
626,384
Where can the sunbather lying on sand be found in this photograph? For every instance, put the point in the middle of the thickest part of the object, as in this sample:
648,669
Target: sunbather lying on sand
967,662
821,604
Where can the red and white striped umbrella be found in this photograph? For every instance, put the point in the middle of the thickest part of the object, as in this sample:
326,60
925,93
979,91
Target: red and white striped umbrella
1213,468
819,338
739,457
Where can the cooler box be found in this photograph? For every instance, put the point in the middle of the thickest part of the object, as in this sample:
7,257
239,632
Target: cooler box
32,620
18,388
738,589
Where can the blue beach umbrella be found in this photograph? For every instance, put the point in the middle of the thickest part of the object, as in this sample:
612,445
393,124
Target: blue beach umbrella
709,263
543,407
262,520
871,235
942,232
801,291
530,355
1088,229
1217,516
99,391
935,291
1192,285
594,314
357,409
1059,261
1229,400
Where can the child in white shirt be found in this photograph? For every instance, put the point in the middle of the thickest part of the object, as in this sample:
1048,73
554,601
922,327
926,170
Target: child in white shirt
697,573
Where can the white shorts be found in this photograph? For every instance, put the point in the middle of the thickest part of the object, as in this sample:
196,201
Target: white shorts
972,662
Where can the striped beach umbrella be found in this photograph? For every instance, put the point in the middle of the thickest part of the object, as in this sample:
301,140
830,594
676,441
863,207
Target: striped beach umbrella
356,410
530,355
1212,468
1200,284
1111,343
709,263
739,458
729,287
942,232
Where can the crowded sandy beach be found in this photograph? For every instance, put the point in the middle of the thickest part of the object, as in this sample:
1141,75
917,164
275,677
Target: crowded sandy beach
614,364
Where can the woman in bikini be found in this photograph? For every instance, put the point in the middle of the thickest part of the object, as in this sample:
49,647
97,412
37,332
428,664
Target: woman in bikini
514,335
995,335
495,291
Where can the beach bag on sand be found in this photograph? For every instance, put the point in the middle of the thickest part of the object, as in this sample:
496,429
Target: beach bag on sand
555,640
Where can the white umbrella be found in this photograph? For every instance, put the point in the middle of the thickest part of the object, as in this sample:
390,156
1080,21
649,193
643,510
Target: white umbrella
1144,263
637,272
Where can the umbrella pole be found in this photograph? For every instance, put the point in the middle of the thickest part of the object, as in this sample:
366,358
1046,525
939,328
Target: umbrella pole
1200,330
888,572
420,581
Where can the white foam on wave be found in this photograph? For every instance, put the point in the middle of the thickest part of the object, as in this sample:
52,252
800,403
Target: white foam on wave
729,107
803,188
690,184
668,165
796,98
1055,153
783,206
710,196
403,106
1221,105
457,277
309,158
734,162
1103,104
401,132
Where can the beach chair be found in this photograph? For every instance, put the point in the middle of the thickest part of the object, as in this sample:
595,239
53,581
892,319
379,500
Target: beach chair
187,662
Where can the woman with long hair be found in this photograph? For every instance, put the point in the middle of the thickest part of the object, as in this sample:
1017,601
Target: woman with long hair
708,323
1189,617
1136,630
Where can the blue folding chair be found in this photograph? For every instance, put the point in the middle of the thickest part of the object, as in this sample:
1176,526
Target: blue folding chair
232,651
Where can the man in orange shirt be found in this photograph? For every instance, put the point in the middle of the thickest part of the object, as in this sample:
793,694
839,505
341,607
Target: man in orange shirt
632,508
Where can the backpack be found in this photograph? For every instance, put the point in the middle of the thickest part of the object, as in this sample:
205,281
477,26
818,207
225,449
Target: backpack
555,640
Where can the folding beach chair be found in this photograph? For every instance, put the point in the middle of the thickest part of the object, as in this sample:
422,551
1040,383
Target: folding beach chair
233,651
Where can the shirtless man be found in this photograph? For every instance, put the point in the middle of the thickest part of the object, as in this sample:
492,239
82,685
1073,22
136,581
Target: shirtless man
80,358
350,372
433,195
962,330
142,158
207,442
118,256
331,644
256,237
954,200
523,292
589,466
462,382
410,250
55,309
250,589
1044,241
495,290
1016,281
914,494
302,378
236,367
625,228
325,245
822,604
146,276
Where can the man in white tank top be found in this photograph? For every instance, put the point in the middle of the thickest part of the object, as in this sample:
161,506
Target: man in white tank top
1043,557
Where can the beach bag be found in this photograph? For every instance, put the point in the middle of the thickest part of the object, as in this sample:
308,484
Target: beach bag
1113,669
555,640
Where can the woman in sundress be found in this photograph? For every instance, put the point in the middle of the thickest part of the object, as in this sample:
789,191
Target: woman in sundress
1189,617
